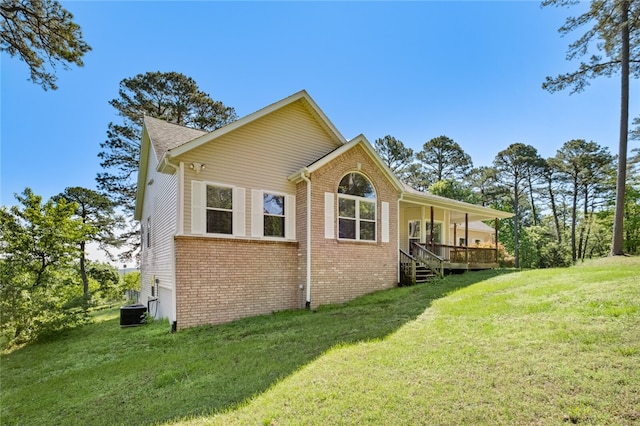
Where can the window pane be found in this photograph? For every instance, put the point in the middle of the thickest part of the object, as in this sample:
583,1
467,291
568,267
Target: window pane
347,229
273,204
219,222
368,231
273,226
346,207
367,210
437,232
219,198
414,229
356,184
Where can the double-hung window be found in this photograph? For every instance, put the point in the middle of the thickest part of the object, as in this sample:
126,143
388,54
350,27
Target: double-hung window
219,210
356,208
273,214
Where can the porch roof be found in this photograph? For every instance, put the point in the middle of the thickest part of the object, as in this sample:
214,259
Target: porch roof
458,209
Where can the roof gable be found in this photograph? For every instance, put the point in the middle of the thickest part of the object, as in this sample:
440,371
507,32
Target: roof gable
358,140
301,96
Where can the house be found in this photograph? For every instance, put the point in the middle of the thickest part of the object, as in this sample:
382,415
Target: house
276,211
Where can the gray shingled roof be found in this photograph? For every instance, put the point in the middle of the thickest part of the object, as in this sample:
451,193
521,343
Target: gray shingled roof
165,136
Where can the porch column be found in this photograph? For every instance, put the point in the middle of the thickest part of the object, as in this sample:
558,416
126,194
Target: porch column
495,228
455,236
466,238
423,235
431,237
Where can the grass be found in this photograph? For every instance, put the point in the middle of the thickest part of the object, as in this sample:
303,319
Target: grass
101,374
537,347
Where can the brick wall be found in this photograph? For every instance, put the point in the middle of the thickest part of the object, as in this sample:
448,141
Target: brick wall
342,270
220,280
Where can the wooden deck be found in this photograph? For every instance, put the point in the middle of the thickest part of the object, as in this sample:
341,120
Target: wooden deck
452,266
436,260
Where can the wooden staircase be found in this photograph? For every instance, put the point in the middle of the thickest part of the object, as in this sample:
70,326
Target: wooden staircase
419,267
423,274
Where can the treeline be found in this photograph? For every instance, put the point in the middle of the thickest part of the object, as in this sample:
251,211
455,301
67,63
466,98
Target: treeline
563,205
46,282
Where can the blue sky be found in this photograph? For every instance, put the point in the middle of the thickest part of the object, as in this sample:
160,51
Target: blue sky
415,70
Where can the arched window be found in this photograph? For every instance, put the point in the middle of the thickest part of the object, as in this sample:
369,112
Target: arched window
356,208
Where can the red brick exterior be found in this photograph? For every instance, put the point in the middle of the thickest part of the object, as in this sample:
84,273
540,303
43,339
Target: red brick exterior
220,280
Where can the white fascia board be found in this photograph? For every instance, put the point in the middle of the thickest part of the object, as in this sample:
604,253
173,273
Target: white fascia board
143,165
474,211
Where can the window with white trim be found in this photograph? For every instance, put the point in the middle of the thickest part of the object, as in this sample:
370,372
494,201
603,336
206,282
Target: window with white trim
219,210
274,215
356,208
414,231
437,232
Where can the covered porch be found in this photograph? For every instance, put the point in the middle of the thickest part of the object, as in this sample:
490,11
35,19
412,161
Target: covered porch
444,235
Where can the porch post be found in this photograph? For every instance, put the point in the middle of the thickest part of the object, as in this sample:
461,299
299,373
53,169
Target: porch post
432,247
455,236
466,238
496,237
423,235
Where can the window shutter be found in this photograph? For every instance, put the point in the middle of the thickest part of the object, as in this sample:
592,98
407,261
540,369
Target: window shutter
290,217
257,213
239,213
385,222
198,207
328,215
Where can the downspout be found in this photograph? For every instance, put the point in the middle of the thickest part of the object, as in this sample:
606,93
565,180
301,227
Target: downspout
174,308
308,283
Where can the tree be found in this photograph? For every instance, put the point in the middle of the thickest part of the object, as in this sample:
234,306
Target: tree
38,242
454,190
97,212
512,166
483,182
42,34
583,166
443,159
616,31
108,279
552,189
170,96
395,155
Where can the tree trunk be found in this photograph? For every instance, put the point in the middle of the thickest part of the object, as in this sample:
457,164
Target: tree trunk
554,210
516,241
584,226
617,244
574,208
533,204
83,272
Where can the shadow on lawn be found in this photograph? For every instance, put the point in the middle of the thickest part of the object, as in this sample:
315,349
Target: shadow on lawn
146,375
261,351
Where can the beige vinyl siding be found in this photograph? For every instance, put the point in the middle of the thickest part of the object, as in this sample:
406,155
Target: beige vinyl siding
157,261
260,155
416,213
485,237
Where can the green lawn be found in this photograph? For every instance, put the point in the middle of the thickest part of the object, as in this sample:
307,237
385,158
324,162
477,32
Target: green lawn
538,347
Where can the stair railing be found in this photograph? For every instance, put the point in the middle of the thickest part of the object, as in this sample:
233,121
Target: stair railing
429,259
407,269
